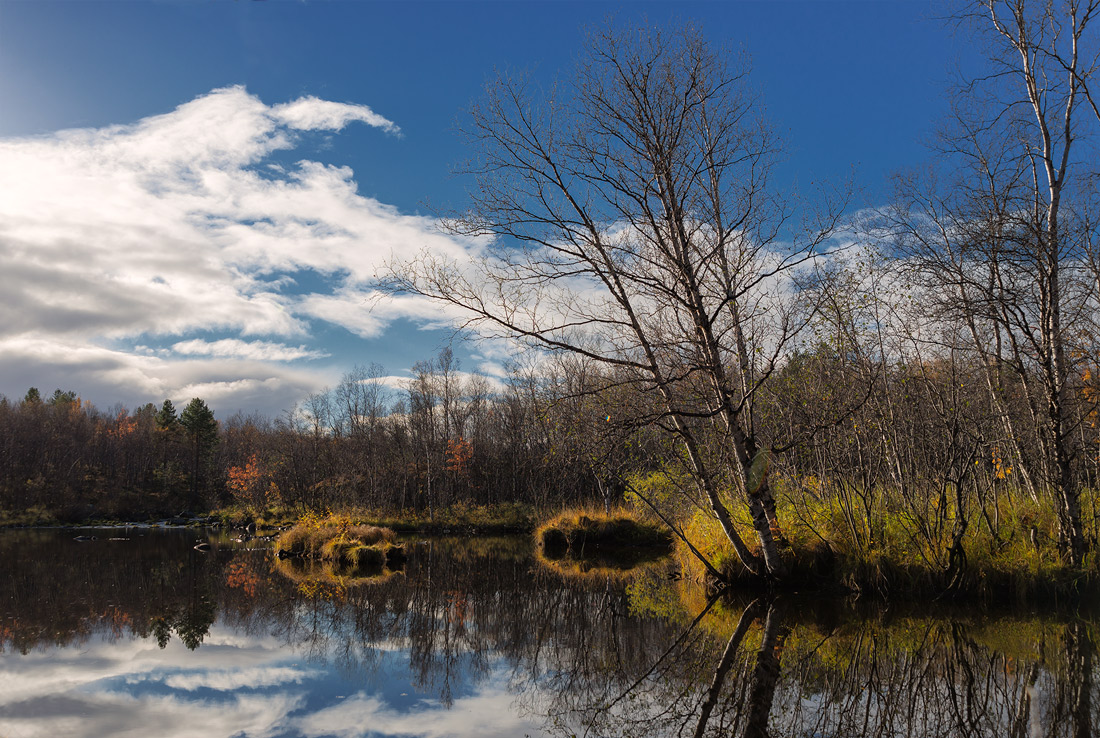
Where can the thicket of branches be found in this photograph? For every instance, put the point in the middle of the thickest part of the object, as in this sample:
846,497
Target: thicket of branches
633,225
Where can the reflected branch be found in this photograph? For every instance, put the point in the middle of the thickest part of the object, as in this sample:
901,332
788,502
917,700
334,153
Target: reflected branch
747,617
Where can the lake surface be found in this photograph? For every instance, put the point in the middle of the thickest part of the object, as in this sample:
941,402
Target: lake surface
149,637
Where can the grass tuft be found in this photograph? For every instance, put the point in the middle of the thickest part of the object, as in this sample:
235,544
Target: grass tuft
336,540
582,532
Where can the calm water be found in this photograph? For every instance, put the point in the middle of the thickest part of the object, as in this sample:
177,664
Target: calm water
149,637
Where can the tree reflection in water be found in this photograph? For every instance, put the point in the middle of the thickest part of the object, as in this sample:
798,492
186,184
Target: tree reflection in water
874,677
585,655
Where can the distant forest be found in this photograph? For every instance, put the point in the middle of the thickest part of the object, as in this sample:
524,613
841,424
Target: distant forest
447,438
921,436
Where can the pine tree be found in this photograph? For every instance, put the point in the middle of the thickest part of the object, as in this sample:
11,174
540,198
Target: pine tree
166,417
202,432
60,398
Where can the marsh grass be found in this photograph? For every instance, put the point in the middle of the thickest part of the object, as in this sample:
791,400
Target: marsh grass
891,549
336,539
585,533
460,518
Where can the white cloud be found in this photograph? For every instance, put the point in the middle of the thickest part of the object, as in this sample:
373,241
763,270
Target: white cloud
180,226
100,688
311,113
366,312
494,382
122,687
235,348
134,378
227,680
114,714
49,671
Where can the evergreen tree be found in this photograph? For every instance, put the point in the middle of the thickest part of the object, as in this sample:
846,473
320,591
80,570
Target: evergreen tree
202,432
62,398
169,472
166,416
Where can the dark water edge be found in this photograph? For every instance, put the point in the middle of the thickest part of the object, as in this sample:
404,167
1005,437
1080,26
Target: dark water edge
476,637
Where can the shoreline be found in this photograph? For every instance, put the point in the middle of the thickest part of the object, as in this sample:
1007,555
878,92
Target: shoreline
833,576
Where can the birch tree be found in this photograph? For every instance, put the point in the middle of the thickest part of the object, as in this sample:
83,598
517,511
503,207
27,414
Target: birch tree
632,221
1001,240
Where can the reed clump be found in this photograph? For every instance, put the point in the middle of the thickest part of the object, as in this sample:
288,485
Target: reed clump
580,533
335,539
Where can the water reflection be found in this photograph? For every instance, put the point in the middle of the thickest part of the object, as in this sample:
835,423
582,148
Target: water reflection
903,676
477,638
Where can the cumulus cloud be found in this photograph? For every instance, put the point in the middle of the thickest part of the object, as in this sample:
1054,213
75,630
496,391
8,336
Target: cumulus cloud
133,377
311,113
182,230
366,312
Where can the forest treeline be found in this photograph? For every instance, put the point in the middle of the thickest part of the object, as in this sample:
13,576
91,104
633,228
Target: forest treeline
873,442
447,438
892,462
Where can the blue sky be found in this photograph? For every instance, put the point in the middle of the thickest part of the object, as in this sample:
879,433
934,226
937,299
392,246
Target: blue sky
205,234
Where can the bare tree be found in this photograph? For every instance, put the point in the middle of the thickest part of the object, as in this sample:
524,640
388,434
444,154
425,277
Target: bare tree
1002,244
633,223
